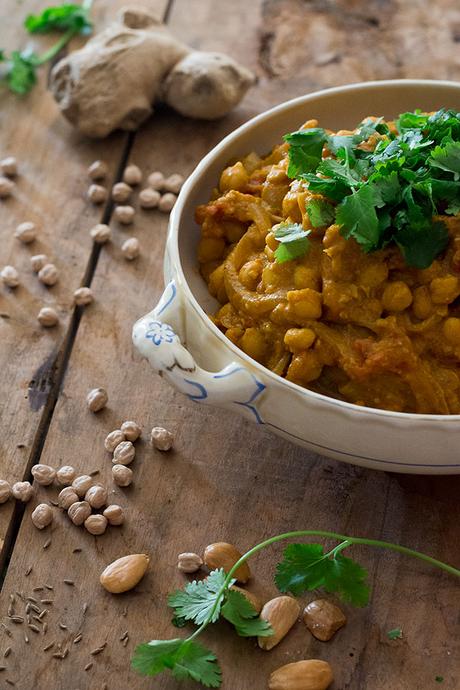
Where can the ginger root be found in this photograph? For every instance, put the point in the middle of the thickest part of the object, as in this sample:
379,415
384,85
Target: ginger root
114,81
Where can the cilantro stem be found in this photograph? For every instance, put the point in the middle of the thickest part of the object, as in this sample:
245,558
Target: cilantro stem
56,47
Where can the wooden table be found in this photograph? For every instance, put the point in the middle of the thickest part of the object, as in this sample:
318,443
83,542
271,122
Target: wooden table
225,480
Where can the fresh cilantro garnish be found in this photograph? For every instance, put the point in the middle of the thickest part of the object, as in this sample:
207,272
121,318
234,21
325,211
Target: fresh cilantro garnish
240,613
395,634
320,212
21,75
389,194
60,18
293,241
199,599
305,567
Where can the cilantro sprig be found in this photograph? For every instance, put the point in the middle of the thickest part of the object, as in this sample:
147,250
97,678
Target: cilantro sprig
304,567
386,194
18,71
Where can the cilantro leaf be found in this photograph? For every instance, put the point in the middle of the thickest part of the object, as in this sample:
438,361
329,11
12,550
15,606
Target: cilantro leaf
358,218
305,567
439,679
413,120
60,18
186,660
305,148
447,158
320,212
395,634
240,613
196,601
293,241
21,74
421,246
336,170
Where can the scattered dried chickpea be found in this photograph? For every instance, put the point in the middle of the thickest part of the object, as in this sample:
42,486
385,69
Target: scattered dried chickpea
173,183
98,170
156,180
96,524
65,475
121,192
101,233
26,232
81,484
43,474
10,276
131,430
114,439
149,198
166,203
37,261
83,296
96,496
323,619
42,516
161,438
5,491
9,166
23,491
189,562
131,248
124,453
124,214
122,475
6,187
48,275
78,512
67,497
132,175
114,514
97,399
97,194
48,317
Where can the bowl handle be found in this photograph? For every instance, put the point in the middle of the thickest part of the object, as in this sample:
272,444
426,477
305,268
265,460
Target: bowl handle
155,336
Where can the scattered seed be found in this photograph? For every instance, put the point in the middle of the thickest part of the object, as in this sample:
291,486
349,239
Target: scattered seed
69,582
47,601
54,503
10,682
12,598
16,619
2,668
89,666
35,608
26,638
37,618
48,646
28,571
33,600
125,634
47,543
34,627
7,652
125,612
28,608
63,626
94,472
85,607
11,610
37,589
58,655
49,587
77,550
20,595
78,638
125,641
45,628
98,650
65,652
42,614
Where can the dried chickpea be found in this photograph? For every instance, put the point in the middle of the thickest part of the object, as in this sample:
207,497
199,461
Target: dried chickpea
166,203
10,276
48,275
124,453
83,296
121,192
131,430
161,438
114,514
101,233
114,439
156,180
48,317
444,290
97,399
81,484
22,491
189,562
132,175
396,296
9,166
5,491
234,177
43,474
98,170
297,339
131,248
37,261
65,475
67,497
122,475
97,194
173,183
124,214
6,187
78,512
42,516
451,330
149,198
96,496
26,232
96,524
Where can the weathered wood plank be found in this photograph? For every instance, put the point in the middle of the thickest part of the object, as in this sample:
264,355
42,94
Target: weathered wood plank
225,479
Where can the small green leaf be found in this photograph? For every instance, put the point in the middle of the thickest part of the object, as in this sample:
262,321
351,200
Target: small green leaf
420,247
293,241
240,613
358,218
21,75
320,212
60,18
447,158
305,148
395,634
196,601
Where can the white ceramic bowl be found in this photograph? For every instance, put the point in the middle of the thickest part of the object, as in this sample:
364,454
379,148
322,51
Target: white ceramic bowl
183,345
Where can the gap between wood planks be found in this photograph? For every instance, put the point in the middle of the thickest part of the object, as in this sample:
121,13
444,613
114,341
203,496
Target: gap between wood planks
61,359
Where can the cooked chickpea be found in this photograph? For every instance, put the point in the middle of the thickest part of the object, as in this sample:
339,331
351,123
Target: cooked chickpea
451,330
306,278
304,367
373,275
298,339
48,317
250,273
396,296
422,305
131,248
210,249
83,296
9,166
101,233
96,524
6,187
305,303
234,177
253,343
122,475
444,290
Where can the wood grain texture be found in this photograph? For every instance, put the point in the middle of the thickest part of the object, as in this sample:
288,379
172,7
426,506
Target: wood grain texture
225,479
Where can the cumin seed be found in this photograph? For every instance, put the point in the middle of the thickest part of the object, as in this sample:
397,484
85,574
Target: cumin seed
17,619
45,627
42,614
85,607
28,571
32,600
49,587
54,503
88,666
125,641
47,543
27,607
58,655
47,601
63,626
69,582
98,650
48,646
94,472
34,607
37,589
77,550
10,610
12,598
78,638
34,627
26,638
7,652
125,634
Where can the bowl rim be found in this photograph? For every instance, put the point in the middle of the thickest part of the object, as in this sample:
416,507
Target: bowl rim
193,179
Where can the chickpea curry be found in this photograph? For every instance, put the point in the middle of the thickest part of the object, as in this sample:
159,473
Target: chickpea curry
336,260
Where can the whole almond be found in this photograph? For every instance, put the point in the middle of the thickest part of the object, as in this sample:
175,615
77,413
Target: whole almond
223,555
124,573
311,674
281,613
252,598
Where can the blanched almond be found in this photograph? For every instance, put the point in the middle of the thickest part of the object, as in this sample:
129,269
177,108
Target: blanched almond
223,555
311,674
281,613
124,573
